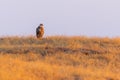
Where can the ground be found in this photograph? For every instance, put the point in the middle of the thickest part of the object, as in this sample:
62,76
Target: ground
59,58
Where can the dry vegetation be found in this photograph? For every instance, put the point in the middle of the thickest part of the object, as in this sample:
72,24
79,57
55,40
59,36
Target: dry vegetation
59,58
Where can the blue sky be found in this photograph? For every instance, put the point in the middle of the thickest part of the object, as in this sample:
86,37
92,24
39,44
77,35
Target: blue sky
60,17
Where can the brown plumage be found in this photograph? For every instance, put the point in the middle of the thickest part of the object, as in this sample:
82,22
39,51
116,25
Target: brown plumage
40,31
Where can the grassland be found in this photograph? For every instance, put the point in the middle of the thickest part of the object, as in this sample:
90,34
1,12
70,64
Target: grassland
59,58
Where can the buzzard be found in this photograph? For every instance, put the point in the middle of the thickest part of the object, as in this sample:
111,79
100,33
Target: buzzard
40,31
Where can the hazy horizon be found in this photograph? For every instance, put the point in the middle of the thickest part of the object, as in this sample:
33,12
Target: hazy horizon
60,17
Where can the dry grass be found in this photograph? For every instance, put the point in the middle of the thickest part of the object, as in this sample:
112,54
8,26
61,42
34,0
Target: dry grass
59,58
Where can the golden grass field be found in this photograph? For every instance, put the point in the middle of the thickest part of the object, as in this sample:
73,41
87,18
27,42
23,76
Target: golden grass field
59,58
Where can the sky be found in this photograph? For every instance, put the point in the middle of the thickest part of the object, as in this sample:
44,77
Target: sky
60,17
